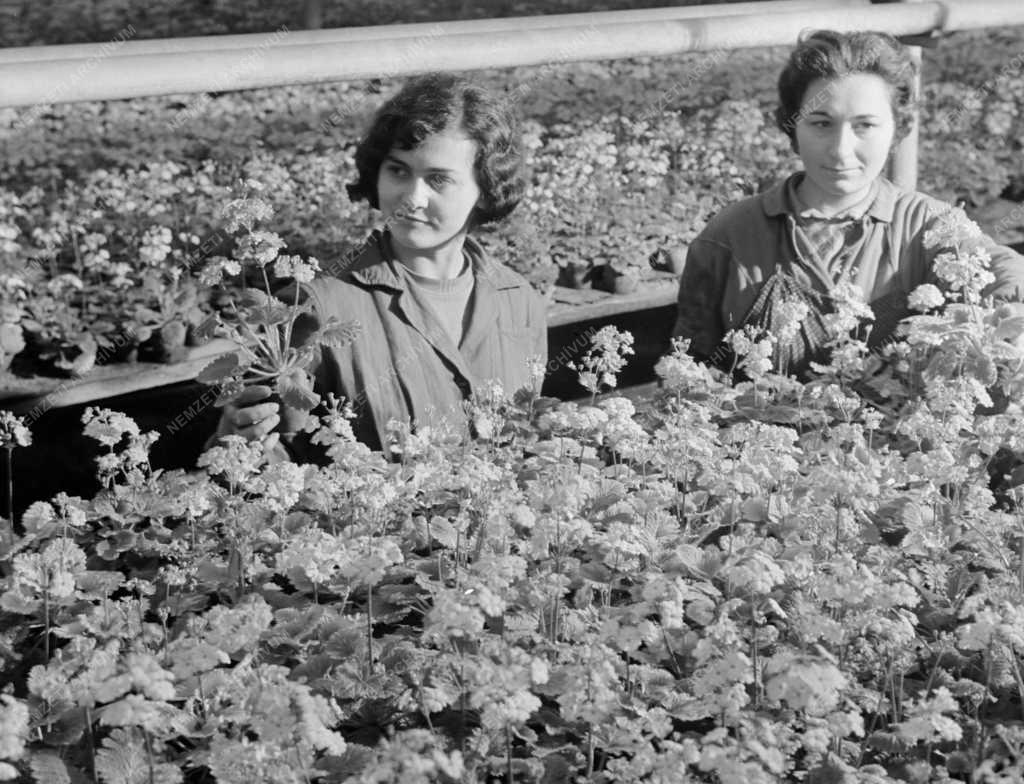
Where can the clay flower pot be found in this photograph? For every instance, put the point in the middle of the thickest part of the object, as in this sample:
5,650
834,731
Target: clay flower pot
669,260
576,275
617,281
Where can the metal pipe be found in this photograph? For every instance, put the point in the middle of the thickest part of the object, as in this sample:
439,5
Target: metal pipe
277,62
208,43
903,163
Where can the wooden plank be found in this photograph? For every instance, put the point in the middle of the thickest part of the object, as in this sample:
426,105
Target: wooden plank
652,293
36,395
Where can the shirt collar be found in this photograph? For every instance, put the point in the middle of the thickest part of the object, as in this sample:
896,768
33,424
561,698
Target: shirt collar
776,201
375,266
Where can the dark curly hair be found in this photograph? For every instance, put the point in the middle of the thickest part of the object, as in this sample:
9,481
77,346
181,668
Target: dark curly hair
437,102
826,54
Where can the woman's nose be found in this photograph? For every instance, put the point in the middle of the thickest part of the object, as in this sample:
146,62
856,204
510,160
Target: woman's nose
416,196
843,142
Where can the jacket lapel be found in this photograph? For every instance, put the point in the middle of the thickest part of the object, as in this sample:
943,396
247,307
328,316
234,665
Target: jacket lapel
382,272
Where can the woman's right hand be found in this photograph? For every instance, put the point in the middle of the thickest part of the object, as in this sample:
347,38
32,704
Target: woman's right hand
246,416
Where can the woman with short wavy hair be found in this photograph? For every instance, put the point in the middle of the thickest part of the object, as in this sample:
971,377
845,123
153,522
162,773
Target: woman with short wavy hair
844,100
437,317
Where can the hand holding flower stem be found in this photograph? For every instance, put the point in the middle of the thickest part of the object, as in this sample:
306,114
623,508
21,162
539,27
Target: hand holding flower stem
262,325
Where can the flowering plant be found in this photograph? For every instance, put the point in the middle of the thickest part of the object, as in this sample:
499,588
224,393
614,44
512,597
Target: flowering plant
754,583
260,323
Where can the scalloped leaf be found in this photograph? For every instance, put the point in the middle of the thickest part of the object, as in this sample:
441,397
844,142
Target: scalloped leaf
254,298
11,339
19,604
1010,328
221,369
122,759
335,333
99,583
339,768
38,516
270,315
297,395
206,328
48,768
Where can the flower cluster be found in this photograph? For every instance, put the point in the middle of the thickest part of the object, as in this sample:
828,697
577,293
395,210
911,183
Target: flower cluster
604,360
13,431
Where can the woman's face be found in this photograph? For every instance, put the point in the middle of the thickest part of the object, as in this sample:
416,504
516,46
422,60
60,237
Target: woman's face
843,134
428,193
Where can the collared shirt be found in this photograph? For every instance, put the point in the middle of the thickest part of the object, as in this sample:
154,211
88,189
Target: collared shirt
826,240
403,364
747,242
448,300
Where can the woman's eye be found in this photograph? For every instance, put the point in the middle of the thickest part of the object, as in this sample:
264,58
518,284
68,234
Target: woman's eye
439,180
820,123
395,170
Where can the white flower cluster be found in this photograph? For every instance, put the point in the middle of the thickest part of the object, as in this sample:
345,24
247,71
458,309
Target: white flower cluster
680,371
13,431
294,267
755,352
926,297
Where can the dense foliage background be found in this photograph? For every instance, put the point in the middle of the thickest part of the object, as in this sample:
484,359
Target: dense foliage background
766,582
109,206
29,22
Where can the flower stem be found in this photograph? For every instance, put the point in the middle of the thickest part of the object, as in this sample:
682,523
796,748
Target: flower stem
7,530
369,628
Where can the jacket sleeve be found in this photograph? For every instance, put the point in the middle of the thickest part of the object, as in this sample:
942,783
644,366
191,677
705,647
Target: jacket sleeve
701,290
1008,267
540,322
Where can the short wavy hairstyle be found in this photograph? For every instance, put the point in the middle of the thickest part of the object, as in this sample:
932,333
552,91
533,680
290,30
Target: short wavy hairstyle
437,102
826,54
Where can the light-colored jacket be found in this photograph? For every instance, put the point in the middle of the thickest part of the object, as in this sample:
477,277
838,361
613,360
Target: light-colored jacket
403,365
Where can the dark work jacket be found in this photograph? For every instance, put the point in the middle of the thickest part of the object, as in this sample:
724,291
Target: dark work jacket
747,242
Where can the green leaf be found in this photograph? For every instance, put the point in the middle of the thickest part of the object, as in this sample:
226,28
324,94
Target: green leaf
15,602
48,768
206,329
337,334
830,771
1010,328
337,769
67,729
11,339
122,759
255,298
99,583
298,395
222,368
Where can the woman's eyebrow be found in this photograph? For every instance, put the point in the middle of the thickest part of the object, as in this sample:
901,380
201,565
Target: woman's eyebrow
439,169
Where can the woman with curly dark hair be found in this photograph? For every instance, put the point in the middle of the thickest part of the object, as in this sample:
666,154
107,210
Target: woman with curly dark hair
844,100
437,317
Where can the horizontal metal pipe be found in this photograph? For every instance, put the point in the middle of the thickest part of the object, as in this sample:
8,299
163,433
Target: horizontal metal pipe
274,61
194,44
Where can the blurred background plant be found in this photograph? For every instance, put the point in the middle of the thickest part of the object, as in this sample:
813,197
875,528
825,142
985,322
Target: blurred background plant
625,158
